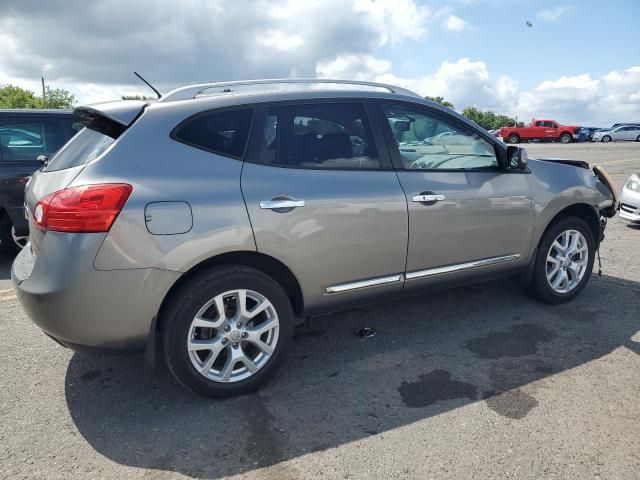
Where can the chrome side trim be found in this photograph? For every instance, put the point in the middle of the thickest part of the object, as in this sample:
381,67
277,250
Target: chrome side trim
461,266
372,282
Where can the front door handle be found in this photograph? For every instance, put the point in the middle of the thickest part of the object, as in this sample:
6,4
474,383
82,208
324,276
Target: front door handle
427,198
280,203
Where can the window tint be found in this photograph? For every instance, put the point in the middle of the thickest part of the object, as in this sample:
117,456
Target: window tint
324,135
223,132
426,142
24,140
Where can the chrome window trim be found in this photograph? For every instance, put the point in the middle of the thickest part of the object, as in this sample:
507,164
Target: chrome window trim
461,266
372,282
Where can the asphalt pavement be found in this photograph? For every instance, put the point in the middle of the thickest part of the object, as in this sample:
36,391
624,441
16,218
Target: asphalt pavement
476,382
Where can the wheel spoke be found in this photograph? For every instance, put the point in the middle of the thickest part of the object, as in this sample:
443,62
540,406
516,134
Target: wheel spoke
258,330
200,321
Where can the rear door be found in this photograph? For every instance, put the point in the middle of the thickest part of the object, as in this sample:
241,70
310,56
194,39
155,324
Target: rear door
323,199
467,216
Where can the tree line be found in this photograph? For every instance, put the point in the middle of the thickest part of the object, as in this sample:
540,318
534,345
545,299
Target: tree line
12,96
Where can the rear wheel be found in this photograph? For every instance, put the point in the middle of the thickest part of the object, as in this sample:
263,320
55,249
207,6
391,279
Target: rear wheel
564,261
638,139
606,139
9,240
513,138
565,138
225,331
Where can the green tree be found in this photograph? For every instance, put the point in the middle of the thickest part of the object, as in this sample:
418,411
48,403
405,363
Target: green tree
489,120
441,101
58,98
12,96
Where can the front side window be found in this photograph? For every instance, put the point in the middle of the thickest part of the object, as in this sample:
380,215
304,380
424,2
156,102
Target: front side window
427,142
319,136
224,132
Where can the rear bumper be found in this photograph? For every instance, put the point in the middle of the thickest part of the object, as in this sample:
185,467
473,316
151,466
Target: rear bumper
84,308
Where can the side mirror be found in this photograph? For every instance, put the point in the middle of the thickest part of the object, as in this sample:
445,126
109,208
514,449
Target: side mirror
516,158
43,159
402,126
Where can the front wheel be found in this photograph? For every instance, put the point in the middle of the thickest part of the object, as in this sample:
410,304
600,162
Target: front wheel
225,331
564,261
606,139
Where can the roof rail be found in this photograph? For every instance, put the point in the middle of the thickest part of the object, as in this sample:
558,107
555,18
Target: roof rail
192,91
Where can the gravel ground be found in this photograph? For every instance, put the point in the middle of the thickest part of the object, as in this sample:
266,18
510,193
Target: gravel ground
479,382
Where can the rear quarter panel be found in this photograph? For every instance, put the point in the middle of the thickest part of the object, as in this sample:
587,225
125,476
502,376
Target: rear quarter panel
164,170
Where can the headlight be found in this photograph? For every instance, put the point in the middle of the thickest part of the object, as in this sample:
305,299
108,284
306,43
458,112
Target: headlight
633,183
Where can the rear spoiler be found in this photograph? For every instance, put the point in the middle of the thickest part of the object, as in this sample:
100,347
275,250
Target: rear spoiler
110,118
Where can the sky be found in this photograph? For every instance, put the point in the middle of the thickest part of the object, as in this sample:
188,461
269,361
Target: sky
578,63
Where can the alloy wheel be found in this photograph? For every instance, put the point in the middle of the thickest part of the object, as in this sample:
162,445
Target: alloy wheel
233,335
19,240
567,261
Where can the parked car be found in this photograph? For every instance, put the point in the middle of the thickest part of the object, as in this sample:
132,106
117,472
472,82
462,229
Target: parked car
25,135
541,130
630,199
586,133
620,133
199,227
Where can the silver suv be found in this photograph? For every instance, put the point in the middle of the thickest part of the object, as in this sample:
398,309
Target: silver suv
201,226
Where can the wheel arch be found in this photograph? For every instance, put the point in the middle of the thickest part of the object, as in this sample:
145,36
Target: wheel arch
264,263
584,211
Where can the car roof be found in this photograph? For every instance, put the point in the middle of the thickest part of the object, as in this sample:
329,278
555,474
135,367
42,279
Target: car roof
35,111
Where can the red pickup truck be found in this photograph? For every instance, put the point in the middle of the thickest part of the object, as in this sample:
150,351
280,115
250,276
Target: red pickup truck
544,130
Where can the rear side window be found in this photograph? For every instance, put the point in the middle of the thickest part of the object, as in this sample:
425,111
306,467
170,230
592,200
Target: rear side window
319,136
224,132
25,139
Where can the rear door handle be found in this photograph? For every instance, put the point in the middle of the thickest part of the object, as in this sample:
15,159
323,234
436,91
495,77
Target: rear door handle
281,203
427,198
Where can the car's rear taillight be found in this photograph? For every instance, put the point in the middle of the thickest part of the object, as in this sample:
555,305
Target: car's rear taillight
84,209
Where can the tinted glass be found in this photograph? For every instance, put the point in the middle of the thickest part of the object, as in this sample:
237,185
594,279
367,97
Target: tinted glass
427,142
325,135
24,140
223,132
87,145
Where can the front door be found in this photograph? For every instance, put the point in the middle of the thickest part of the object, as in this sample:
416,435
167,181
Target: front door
323,199
466,215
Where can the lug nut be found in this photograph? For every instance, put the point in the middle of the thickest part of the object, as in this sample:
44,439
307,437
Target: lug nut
225,341
227,328
245,334
239,325
235,345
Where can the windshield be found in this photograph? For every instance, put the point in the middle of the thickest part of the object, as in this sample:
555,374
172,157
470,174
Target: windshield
85,146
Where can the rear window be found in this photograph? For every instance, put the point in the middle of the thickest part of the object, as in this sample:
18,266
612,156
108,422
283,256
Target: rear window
224,132
86,146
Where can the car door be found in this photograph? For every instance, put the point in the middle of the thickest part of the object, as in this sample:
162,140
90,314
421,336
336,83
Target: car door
324,200
467,216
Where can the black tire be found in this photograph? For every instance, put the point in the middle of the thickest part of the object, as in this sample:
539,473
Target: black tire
566,138
513,138
638,139
606,139
7,242
176,318
539,286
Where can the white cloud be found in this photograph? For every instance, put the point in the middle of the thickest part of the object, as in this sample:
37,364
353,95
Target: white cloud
553,14
581,99
91,45
455,24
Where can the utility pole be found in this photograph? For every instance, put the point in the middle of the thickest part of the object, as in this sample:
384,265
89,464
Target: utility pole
43,91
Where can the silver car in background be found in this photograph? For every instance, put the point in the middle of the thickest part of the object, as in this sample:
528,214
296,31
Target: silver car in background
630,133
199,227
630,199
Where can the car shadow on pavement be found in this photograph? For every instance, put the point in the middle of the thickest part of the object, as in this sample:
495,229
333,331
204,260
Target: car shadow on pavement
431,354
